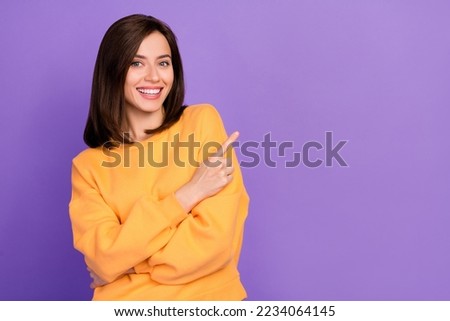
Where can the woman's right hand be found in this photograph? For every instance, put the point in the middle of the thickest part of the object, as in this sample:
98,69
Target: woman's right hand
210,178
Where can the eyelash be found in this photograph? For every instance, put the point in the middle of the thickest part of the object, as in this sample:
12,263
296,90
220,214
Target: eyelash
138,64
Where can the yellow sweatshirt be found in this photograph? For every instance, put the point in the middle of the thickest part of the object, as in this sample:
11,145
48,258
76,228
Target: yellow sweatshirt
124,214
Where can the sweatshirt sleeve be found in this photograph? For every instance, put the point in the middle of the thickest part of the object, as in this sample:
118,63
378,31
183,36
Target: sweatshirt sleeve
112,247
210,238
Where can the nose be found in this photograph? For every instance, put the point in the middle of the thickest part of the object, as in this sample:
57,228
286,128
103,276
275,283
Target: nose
152,74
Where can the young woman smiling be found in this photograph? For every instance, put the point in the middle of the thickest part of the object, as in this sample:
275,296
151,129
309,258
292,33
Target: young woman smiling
155,232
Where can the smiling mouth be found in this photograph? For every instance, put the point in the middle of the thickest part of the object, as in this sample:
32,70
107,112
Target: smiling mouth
150,92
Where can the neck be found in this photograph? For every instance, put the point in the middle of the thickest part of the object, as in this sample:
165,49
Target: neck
136,122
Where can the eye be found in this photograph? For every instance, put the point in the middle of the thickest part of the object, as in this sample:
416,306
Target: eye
164,63
136,64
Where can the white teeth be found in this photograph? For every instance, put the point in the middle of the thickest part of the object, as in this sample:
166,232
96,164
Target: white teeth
149,91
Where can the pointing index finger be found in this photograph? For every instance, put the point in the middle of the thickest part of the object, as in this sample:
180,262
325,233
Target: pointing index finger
232,138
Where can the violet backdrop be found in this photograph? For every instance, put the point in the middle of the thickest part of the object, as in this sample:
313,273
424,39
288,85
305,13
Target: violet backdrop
375,73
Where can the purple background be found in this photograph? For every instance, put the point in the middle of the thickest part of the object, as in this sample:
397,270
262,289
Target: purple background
375,73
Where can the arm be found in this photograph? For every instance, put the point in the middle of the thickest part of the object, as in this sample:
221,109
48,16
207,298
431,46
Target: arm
112,247
205,242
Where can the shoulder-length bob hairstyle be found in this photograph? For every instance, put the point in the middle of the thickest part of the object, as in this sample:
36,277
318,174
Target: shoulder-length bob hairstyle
116,53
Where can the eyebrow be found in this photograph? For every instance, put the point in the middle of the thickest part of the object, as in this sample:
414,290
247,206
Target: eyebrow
159,57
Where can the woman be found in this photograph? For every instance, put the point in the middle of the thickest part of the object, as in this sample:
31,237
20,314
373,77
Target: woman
156,212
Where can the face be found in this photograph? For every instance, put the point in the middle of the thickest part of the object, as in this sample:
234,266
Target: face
149,78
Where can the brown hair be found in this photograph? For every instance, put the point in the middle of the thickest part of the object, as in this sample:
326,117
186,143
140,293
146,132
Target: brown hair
117,50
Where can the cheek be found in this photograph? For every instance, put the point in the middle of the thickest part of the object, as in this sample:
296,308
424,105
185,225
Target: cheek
169,78
130,82
128,90
131,79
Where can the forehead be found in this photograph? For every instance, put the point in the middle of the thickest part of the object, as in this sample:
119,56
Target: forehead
154,45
